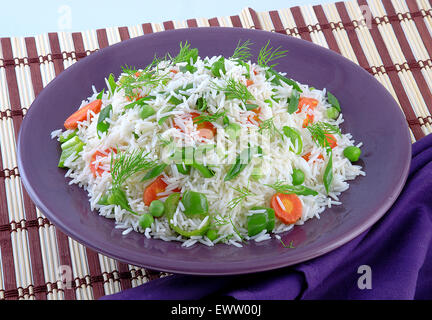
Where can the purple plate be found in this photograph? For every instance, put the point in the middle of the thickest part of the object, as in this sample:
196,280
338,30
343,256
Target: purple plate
370,112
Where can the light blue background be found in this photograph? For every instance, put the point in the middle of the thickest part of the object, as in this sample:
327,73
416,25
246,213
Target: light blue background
31,17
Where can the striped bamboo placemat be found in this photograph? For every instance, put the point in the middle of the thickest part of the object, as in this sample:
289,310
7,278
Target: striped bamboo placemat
391,39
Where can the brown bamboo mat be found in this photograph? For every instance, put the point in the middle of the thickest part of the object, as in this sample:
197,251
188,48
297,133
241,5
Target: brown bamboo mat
35,257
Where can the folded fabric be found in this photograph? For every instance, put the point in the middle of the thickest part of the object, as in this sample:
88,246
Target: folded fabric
391,260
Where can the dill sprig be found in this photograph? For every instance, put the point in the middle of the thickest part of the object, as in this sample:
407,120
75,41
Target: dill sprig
221,221
290,246
164,142
283,187
132,79
185,54
123,165
244,193
267,55
235,90
242,51
270,126
208,117
319,131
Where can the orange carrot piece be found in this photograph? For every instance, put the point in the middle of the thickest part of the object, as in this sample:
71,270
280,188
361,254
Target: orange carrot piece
331,139
96,170
150,193
307,156
309,102
255,117
71,123
308,120
152,190
205,129
249,82
288,207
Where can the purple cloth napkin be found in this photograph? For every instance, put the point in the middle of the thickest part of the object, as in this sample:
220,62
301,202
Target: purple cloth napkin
397,249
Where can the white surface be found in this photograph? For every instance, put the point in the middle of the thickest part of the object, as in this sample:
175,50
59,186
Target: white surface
31,17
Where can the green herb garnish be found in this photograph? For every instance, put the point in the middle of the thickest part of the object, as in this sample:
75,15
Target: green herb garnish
244,193
270,127
124,165
242,51
112,83
282,187
102,124
267,55
134,80
333,101
185,54
242,160
294,135
319,132
235,90
290,246
218,67
328,172
293,103
208,117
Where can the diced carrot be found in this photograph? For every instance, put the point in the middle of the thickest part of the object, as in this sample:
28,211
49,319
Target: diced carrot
308,120
94,168
134,97
173,71
249,82
307,156
153,189
255,117
288,207
309,102
71,123
205,129
255,72
331,139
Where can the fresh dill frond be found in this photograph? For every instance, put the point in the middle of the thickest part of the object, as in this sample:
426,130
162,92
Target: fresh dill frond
244,193
133,79
267,55
164,142
270,126
185,54
283,187
208,117
220,221
235,90
123,165
319,132
290,246
242,51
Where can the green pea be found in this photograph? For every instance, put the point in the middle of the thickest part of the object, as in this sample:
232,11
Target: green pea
156,208
352,153
298,177
146,111
146,220
332,113
212,234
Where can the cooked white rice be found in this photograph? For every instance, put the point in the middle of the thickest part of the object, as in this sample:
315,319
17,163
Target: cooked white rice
128,132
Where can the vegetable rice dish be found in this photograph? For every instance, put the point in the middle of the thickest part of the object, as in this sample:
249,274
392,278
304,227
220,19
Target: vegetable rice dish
209,150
